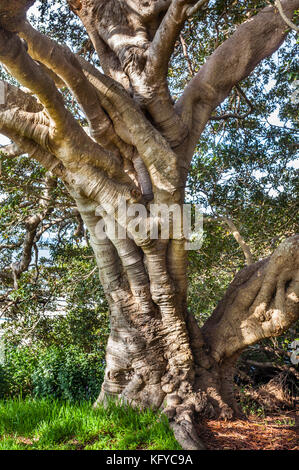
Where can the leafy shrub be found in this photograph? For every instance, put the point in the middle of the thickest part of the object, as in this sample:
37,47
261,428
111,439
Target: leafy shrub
3,381
68,374
65,373
17,370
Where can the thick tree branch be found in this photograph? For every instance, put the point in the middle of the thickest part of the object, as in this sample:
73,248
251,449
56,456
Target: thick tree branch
14,55
29,125
121,39
13,12
162,45
261,302
65,64
159,159
232,61
46,159
73,149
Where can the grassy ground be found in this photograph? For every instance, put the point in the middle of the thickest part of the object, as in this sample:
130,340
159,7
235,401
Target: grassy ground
54,425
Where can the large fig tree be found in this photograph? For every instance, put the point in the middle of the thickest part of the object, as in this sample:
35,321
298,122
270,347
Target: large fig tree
139,146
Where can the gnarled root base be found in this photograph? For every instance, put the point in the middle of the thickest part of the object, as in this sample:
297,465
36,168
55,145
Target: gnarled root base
160,358
184,412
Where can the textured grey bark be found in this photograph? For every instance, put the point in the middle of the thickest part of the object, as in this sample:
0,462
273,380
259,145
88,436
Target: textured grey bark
140,147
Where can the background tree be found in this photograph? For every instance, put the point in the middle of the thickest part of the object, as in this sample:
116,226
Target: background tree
140,145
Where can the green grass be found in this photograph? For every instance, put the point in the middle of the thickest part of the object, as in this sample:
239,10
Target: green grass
55,425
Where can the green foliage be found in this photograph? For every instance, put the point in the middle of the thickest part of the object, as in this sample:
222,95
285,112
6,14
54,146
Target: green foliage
66,373
248,405
16,377
52,424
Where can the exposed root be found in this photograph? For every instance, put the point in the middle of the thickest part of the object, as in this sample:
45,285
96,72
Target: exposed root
186,435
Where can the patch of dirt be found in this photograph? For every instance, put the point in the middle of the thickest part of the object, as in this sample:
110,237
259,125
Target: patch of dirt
24,440
274,432
81,445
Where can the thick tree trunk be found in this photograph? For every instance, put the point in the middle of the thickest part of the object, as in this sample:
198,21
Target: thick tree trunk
157,356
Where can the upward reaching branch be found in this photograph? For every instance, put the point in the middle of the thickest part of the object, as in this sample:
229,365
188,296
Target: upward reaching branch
232,61
162,45
236,234
121,37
